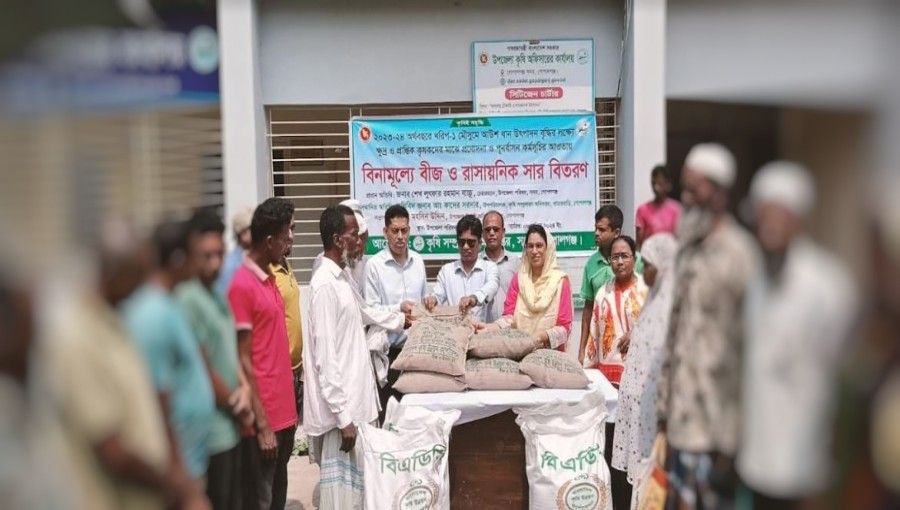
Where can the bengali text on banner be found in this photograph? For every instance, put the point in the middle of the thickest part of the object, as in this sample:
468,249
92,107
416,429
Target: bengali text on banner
532,168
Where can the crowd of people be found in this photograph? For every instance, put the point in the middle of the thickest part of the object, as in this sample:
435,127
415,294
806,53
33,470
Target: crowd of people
179,375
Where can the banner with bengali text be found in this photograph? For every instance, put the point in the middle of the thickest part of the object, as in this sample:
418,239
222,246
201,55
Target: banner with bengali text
539,168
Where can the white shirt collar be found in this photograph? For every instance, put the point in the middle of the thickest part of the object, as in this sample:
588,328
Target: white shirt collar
332,268
458,267
389,258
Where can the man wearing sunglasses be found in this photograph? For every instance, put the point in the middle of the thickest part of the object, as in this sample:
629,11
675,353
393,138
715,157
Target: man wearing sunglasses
470,281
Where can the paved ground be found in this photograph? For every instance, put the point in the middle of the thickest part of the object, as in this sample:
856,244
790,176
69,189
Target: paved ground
302,479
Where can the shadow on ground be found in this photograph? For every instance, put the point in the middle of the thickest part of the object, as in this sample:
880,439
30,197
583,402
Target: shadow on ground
302,479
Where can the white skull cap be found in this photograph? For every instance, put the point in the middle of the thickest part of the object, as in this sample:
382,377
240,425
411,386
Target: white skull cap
714,162
784,183
354,205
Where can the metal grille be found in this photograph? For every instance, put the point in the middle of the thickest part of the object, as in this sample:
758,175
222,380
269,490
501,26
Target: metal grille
74,171
147,165
311,162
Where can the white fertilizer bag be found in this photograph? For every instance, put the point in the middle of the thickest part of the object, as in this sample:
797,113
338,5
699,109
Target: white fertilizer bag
406,464
564,455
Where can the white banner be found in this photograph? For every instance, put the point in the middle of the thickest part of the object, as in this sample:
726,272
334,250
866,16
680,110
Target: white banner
533,76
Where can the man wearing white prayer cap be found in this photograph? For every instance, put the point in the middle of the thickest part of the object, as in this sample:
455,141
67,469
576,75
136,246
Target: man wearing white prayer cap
700,380
358,266
706,180
799,308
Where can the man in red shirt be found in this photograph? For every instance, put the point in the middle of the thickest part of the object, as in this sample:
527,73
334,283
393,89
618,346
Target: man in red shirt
265,356
660,214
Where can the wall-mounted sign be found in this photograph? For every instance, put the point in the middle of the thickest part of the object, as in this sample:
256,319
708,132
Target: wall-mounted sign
533,76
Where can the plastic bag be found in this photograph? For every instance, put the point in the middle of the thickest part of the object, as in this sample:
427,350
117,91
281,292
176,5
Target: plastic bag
406,463
564,454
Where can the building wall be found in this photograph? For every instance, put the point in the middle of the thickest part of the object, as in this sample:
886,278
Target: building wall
835,147
821,54
749,131
357,52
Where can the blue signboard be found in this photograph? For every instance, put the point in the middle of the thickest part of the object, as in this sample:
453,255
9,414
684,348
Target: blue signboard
117,68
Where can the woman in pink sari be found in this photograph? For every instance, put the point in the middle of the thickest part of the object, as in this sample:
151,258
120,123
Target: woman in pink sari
539,299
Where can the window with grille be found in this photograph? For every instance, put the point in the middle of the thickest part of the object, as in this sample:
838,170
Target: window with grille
311,162
81,169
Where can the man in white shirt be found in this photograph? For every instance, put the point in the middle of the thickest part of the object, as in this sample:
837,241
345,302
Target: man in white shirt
340,391
798,312
395,278
469,281
507,263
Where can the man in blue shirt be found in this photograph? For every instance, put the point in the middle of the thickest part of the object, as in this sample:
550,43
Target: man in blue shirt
172,353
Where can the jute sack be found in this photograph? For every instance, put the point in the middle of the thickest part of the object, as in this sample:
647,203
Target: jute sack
406,463
443,313
549,368
495,374
503,343
429,382
446,312
564,454
434,346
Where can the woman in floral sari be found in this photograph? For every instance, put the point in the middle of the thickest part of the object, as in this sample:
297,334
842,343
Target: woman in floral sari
616,312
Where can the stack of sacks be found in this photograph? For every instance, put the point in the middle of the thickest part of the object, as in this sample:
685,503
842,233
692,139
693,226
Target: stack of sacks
433,360
506,359
494,363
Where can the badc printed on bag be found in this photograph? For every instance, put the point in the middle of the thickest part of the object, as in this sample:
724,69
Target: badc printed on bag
564,455
406,463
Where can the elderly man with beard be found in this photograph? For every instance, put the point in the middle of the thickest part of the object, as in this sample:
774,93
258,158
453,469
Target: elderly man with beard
378,320
340,391
796,324
358,270
700,381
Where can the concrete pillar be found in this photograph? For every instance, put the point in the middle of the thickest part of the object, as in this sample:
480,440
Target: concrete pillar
244,144
642,107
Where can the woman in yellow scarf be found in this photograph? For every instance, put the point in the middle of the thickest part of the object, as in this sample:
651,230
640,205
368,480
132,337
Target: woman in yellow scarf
539,299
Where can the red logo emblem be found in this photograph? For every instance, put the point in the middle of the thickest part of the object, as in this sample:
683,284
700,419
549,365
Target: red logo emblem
365,134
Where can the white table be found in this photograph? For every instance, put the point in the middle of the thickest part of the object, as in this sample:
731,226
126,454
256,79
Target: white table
476,405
